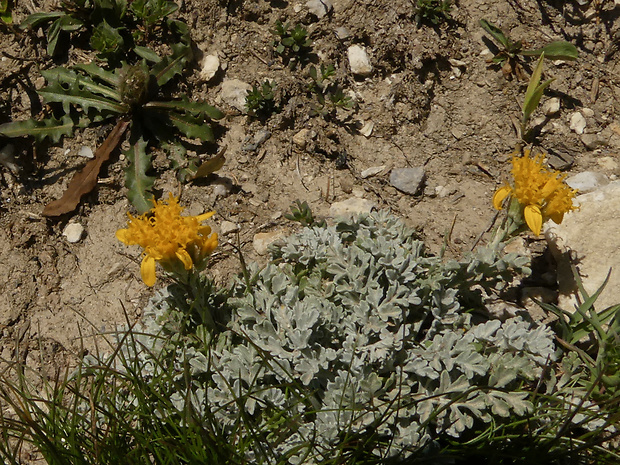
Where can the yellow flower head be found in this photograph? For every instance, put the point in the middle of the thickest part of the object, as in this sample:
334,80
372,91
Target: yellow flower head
541,193
168,238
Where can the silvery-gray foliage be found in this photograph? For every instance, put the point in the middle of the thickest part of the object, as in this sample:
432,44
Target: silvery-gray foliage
353,330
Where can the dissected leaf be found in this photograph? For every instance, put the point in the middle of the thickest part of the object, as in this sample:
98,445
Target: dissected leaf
86,179
50,127
211,166
173,64
192,127
66,76
111,78
558,50
191,107
80,97
136,180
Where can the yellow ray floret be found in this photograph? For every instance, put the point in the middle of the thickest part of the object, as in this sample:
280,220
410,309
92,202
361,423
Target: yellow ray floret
168,238
541,193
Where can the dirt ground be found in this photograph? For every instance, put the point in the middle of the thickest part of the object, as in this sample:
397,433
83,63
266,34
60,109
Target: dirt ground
432,100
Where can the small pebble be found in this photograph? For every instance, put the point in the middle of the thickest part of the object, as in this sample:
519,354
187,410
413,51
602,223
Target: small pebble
551,107
593,141
350,207
86,151
228,227
234,93
262,241
408,180
209,67
73,232
577,122
359,61
319,8
366,130
372,171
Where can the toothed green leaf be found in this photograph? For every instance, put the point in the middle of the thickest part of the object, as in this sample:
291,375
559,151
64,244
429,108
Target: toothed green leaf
52,128
192,127
70,77
137,182
74,95
173,64
111,78
194,108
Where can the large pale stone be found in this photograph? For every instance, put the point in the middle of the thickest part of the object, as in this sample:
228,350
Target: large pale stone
589,239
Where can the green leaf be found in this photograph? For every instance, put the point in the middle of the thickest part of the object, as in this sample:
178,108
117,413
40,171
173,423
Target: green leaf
66,76
37,19
5,12
495,32
173,64
559,50
137,182
191,107
147,54
194,128
534,91
52,37
111,78
106,40
50,127
85,99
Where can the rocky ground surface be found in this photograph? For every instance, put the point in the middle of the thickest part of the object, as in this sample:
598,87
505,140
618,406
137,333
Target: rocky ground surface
429,137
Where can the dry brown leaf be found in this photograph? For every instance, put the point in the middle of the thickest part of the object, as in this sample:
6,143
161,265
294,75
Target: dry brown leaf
85,180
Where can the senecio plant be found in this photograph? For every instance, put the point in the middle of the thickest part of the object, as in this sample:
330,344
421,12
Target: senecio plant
353,345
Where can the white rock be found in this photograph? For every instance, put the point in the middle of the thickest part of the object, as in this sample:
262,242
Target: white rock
587,181
228,227
319,7
73,232
350,207
587,112
209,67
86,151
359,61
408,180
366,130
372,171
262,241
234,93
551,107
590,236
577,122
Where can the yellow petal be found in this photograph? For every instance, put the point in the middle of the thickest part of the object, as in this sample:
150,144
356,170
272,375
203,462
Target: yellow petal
533,218
185,258
500,195
147,270
122,235
205,216
209,245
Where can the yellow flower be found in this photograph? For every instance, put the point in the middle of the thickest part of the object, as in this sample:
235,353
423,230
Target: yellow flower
541,193
168,238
